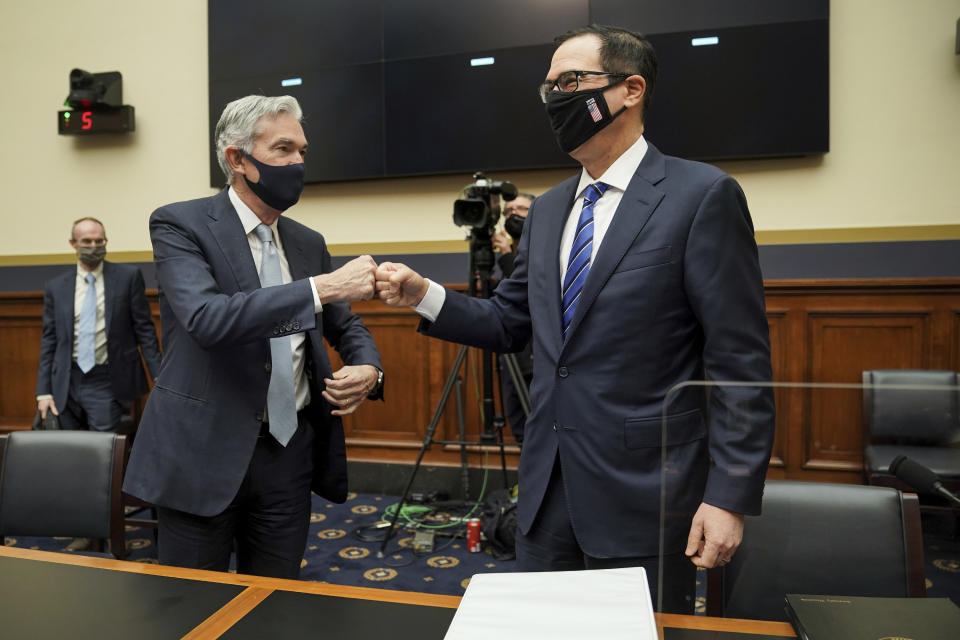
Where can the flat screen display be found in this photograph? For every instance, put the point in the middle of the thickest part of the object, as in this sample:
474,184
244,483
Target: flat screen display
416,87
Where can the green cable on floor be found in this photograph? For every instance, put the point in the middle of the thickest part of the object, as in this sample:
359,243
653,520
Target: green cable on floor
410,510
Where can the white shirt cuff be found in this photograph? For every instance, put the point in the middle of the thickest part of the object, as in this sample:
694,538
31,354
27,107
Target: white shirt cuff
432,302
317,307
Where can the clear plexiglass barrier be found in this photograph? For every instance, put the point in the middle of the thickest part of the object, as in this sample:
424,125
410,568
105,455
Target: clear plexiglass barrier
793,488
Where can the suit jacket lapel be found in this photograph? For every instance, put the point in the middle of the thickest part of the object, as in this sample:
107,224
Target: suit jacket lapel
558,209
293,250
635,208
228,232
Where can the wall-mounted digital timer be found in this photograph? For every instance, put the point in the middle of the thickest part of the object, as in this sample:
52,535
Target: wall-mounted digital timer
83,122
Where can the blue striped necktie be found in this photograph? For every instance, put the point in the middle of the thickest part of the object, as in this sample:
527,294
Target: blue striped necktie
281,401
578,266
86,327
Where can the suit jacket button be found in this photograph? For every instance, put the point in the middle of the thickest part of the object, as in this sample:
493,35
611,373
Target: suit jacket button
296,325
267,367
276,331
554,426
563,372
259,416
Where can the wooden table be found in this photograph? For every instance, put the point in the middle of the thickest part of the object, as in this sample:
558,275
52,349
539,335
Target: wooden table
45,594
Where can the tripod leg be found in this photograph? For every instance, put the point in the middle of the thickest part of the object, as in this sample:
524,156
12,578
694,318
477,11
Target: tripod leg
518,382
427,440
462,433
503,411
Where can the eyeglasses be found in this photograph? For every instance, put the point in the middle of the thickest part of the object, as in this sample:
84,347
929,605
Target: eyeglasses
569,81
514,208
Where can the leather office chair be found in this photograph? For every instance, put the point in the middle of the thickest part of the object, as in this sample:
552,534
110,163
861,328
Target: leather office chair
922,424
821,538
62,483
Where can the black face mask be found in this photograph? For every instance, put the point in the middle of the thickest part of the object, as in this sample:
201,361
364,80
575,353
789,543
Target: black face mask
279,186
577,115
514,225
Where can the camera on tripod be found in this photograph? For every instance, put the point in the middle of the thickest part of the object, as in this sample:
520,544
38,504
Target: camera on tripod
473,210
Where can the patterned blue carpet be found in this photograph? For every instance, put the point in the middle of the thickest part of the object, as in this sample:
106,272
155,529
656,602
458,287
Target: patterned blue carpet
342,549
941,553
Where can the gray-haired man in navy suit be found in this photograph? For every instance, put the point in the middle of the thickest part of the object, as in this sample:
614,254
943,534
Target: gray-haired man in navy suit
245,418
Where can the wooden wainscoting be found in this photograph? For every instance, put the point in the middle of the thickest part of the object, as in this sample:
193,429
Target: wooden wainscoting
830,331
821,331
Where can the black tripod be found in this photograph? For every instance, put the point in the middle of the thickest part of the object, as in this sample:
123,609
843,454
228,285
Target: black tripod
481,266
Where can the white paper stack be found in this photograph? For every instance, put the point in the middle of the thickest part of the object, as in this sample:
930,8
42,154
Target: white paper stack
612,604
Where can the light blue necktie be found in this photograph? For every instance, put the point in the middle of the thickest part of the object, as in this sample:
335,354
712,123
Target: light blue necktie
86,327
281,403
578,266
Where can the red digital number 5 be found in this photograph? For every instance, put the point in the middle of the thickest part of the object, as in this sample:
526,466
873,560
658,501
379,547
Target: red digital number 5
87,121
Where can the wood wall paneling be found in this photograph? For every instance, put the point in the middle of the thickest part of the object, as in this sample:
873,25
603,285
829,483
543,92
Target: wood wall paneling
820,331
844,343
20,329
780,364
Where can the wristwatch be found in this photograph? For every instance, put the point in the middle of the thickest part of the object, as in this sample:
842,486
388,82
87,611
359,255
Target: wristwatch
375,392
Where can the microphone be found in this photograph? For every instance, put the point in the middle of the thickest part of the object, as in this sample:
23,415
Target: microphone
921,478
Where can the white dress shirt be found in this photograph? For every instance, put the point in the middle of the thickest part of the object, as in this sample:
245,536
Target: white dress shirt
100,328
249,220
617,176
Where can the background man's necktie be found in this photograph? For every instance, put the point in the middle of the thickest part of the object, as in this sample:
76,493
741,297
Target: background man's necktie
86,327
578,266
281,402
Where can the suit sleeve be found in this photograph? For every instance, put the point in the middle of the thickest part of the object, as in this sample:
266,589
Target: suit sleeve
213,318
48,345
143,325
501,323
725,289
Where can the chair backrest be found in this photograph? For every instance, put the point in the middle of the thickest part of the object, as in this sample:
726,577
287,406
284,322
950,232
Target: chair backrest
62,483
911,416
821,538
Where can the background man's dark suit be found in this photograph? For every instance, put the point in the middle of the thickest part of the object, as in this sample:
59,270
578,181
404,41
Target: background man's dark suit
204,416
675,293
128,324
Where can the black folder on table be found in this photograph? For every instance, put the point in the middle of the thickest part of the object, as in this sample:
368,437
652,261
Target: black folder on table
817,617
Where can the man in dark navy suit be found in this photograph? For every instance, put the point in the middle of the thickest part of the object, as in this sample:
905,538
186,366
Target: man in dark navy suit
245,418
634,276
94,319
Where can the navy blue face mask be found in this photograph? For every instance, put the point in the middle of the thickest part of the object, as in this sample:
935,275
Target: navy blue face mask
279,186
576,116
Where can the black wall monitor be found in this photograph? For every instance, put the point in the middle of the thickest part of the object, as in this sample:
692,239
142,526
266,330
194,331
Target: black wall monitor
414,87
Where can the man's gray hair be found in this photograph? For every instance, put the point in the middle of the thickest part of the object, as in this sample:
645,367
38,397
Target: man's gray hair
238,124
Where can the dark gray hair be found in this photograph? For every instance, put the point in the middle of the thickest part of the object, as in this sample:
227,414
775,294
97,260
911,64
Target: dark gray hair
238,124
621,51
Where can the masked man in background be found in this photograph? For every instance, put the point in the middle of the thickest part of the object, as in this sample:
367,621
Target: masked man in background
94,319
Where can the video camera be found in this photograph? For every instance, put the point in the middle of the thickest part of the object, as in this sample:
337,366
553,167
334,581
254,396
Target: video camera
473,210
